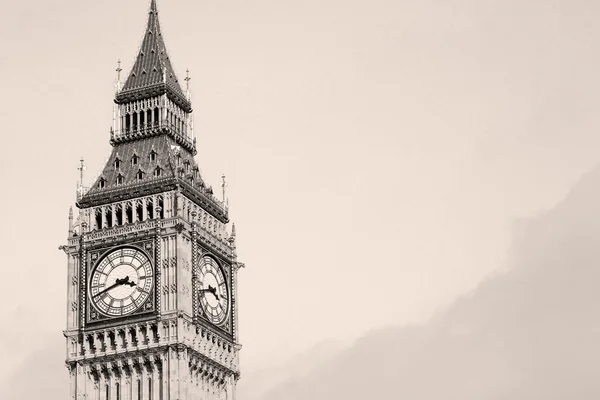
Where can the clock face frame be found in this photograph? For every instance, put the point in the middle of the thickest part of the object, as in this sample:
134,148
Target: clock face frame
121,282
213,291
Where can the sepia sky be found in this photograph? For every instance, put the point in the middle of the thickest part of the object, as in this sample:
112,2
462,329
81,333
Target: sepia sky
377,152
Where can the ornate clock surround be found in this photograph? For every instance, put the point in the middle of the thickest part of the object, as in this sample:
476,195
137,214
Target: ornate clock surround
96,255
226,327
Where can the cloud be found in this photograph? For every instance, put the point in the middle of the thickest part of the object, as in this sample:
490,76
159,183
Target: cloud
529,333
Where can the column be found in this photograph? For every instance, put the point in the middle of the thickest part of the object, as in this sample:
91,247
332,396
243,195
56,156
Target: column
134,217
103,210
73,377
114,379
144,210
164,357
154,205
102,381
156,378
98,379
144,379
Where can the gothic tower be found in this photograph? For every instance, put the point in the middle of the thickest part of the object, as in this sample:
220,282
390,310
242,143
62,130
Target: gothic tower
152,265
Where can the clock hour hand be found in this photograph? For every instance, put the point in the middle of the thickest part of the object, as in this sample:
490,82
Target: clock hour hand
212,290
124,281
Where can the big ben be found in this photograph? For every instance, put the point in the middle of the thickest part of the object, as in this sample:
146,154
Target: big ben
152,264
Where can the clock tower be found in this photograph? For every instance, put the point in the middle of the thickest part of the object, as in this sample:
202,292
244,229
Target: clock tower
152,265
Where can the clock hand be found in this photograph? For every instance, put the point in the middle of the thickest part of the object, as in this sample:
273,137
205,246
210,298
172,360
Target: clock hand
124,281
117,283
211,290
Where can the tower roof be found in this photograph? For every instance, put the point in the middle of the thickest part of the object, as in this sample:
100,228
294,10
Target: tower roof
152,73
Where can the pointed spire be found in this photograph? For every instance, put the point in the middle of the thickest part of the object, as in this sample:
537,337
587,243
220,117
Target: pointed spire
152,73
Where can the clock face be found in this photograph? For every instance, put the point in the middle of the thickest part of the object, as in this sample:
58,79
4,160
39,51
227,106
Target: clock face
121,282
213,294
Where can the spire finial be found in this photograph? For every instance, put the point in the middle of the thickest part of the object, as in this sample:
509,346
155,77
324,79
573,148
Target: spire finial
81,168
71,221
187,80
223,186
119,70
153,9
118,84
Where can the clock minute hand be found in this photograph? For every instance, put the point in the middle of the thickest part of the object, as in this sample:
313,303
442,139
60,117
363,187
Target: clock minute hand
117,283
